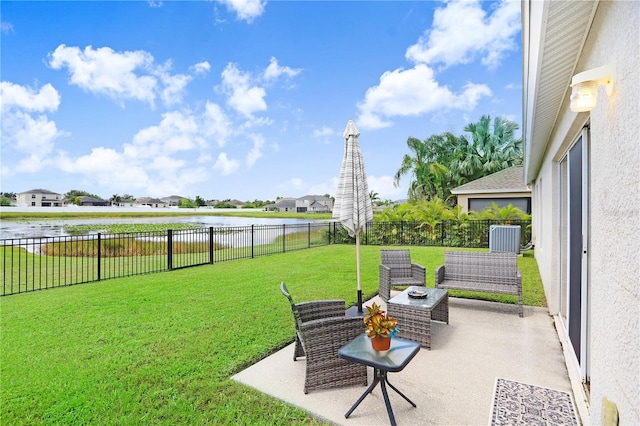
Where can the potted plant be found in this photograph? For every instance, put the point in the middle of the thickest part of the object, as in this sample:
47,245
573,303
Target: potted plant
380,327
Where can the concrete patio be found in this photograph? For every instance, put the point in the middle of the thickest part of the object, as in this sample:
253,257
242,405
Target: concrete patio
452,384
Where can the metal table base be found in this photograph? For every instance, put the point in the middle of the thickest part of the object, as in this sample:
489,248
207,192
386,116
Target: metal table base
380,376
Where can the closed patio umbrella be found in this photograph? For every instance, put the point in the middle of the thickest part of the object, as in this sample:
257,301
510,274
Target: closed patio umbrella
352,206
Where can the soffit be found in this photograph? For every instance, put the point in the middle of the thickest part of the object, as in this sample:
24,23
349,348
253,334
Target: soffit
563,31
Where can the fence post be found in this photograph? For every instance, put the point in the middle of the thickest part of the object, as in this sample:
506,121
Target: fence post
252,242
284,232
211,245
99,252
169,249
309,235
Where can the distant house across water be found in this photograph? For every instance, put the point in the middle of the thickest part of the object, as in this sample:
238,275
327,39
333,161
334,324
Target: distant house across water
39,198
306,204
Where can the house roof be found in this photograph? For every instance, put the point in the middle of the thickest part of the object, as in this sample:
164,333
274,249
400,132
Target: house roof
314,198
507,180
39,191
88,199
173,198
149,200
285,202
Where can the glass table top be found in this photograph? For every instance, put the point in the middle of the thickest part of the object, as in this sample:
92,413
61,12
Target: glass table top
395,359
434,296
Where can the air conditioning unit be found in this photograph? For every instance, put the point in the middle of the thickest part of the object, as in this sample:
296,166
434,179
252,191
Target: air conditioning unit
504,238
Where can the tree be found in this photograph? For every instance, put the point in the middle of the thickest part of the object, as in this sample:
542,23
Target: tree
75,193
200,201
115,199
375,197
186,203
427,166
488,149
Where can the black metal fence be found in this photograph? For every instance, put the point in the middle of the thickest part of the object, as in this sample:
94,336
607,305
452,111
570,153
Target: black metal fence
446,233
40,263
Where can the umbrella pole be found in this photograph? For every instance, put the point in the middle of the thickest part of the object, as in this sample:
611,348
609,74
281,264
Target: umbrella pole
358,272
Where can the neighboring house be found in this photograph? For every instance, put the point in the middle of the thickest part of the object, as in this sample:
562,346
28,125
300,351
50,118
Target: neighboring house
503,188
150,202
314,204
39,198
282,205
583,169
127,202
85,200
173,200
236,203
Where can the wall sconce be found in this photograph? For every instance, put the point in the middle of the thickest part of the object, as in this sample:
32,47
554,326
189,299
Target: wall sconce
584,87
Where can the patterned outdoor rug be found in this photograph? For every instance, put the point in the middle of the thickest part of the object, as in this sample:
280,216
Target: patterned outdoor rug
516,403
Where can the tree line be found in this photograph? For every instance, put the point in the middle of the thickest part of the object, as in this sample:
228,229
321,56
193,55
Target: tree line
443,162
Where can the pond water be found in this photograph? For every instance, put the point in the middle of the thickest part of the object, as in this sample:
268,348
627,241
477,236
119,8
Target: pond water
55,228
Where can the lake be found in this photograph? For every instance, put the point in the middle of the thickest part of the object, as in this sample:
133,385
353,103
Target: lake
55,228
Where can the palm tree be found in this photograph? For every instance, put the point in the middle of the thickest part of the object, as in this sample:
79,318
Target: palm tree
115,199
488,150
375,197
427,173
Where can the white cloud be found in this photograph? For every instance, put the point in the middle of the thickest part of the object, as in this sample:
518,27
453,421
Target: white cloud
107,167
176,132
274,71
246,10
32,136
324,131
215,124
120,75
173,84
256,151
242,96
225,165
413,92
14,96
107,72
385,188
201,67
463,31
154,3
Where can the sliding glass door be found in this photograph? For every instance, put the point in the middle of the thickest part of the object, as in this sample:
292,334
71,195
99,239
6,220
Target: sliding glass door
573,273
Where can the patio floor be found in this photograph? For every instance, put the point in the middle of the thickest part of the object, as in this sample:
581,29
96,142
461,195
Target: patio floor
452,384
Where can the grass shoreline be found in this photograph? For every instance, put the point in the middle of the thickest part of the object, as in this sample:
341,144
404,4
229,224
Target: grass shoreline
27,216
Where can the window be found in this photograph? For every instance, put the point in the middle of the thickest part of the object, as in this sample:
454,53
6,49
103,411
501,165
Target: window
33,195
479,204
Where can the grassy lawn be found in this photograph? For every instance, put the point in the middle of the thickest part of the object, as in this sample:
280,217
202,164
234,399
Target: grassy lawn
160,348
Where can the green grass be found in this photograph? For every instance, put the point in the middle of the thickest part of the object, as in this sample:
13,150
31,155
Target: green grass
160,348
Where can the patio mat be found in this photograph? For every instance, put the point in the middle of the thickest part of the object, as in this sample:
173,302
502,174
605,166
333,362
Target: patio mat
516,403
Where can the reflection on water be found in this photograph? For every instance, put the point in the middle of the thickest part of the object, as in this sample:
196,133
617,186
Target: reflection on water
56,228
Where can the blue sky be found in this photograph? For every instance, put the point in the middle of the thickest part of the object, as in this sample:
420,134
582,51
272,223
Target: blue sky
242,99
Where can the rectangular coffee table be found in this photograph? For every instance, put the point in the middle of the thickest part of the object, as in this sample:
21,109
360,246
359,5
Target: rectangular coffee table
415,315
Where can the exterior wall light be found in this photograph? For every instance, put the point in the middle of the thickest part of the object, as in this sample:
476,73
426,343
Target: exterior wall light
584,87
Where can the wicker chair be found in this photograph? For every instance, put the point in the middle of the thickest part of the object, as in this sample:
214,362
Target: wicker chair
321,330
396,269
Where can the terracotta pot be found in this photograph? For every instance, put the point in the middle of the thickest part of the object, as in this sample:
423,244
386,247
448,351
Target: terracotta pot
381,343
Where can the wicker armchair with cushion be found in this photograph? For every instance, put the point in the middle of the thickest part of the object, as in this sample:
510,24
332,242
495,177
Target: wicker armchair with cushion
321,330
396,269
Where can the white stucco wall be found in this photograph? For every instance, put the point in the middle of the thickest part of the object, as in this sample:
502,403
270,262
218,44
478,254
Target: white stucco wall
614,202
